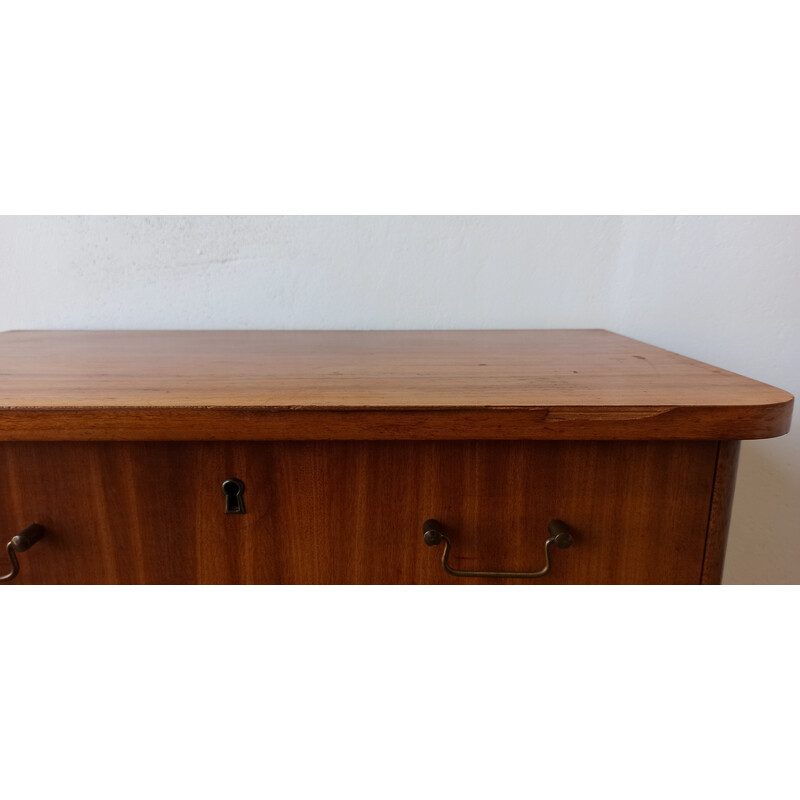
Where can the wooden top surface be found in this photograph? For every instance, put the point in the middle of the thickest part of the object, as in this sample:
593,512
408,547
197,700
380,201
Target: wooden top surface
549,384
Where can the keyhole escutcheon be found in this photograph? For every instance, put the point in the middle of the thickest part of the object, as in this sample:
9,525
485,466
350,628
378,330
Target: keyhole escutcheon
233,489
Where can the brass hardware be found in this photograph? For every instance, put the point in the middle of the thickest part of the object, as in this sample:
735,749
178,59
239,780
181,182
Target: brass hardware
19,544
560,536
233,489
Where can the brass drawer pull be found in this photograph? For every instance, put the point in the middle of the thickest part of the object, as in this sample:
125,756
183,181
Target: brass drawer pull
19,544
560,536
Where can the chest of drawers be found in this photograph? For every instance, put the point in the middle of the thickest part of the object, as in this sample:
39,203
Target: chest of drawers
368,457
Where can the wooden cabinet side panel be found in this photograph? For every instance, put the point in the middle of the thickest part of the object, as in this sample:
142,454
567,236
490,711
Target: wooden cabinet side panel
352,512
719,519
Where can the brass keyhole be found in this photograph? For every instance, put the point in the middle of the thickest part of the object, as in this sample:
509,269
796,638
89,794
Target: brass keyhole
233,489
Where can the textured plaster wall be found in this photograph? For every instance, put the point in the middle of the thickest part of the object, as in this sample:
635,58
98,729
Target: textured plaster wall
720,289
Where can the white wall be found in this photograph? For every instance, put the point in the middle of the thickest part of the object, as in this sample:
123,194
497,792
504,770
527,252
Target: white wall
720,289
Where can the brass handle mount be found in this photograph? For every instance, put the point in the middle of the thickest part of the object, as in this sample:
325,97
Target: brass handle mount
19,544
560,536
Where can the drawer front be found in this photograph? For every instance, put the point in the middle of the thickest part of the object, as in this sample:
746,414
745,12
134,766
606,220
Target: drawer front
352,512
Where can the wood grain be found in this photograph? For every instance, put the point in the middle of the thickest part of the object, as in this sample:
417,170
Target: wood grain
352,512
316,385
720,515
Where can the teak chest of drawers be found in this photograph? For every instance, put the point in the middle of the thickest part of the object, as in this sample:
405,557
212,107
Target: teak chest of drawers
368,457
